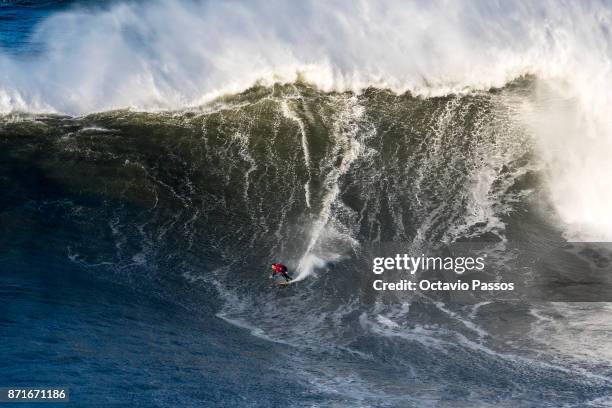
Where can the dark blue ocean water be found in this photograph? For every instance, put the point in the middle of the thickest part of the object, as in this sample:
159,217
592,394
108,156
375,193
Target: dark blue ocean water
109,344
19,18
112,344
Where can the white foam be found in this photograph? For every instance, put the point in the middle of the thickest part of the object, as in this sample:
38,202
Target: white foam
346,148
574,139
170,54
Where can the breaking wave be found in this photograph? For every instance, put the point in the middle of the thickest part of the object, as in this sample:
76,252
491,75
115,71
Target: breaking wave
180,54
178,147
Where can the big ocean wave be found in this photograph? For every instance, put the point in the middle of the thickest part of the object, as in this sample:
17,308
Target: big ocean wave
178,147
174,55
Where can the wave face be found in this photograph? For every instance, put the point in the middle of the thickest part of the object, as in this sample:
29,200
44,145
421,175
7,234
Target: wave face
165,153
190,208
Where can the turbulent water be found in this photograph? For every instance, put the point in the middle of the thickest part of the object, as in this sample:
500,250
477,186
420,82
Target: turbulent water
148,183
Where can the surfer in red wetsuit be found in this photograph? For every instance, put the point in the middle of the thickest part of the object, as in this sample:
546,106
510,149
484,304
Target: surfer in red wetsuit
279,268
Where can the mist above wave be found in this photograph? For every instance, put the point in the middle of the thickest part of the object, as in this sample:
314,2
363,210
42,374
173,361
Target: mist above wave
171,54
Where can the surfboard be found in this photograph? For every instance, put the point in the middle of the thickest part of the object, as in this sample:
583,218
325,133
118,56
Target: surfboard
284,283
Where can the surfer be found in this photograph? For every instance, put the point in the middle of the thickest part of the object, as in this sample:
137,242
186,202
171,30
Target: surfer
279,268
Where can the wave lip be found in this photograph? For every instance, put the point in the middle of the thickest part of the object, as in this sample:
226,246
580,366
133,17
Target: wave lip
176,54
169,55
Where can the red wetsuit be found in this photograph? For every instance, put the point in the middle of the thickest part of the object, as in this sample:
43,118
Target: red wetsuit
282,269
